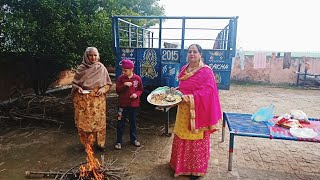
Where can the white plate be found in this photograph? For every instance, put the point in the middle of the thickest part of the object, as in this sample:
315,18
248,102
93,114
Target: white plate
303,132
164,103
86,91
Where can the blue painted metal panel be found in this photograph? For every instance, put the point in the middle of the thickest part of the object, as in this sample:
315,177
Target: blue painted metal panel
221,66
214,56
222,79
146,64
170,67
149,64
159,67
127,53
169,74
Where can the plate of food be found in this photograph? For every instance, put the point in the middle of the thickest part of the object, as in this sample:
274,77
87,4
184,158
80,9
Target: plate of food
164,96
86,91
303,132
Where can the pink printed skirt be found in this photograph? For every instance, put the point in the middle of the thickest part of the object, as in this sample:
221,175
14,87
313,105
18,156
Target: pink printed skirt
190,157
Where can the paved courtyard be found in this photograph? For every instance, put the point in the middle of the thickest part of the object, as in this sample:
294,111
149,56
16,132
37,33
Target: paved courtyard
47,148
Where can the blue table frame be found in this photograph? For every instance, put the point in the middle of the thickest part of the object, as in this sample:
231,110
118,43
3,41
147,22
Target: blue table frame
242,125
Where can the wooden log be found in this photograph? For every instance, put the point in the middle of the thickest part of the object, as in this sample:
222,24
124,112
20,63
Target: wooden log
43,174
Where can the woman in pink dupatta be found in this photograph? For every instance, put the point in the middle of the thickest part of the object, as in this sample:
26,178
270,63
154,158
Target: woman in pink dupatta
198,116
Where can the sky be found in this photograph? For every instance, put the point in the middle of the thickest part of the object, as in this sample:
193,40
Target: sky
263,25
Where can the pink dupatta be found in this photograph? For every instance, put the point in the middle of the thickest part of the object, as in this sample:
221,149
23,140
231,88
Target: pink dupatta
202,90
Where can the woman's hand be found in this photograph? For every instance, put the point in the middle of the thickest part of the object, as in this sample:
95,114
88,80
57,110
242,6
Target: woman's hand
107,88
174,88
80,90
186,99
100,91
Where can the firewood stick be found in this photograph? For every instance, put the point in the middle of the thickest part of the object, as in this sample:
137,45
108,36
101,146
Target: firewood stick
43,172
34,174
102,160
68,171
37,118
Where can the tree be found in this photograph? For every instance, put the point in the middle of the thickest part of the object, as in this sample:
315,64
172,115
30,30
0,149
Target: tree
52,34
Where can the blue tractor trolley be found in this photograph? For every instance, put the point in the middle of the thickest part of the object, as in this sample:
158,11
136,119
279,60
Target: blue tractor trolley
160,51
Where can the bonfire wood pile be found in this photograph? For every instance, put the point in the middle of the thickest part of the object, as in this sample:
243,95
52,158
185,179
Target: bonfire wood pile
54,110
90,170
106,172
32,111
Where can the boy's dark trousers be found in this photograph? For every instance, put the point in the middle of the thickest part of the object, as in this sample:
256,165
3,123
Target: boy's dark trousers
131,114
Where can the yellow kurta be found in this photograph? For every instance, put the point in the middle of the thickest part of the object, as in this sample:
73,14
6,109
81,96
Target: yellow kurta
182,125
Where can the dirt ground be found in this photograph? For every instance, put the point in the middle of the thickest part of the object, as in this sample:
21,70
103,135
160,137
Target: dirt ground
33,146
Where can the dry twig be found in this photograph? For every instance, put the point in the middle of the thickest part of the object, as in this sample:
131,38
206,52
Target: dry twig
40,108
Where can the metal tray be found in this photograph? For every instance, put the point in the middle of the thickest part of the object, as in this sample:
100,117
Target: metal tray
165,90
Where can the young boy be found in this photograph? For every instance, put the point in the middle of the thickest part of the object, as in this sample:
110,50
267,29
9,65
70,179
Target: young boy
129,88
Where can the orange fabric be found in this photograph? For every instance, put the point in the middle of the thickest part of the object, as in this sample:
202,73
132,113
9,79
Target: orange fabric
90,111
99,136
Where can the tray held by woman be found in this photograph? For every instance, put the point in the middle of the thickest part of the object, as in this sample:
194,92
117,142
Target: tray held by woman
165,96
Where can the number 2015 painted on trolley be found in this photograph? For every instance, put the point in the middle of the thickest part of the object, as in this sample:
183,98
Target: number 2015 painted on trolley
168,55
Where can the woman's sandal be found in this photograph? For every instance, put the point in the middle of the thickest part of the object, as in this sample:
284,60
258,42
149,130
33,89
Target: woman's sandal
117,146
192,177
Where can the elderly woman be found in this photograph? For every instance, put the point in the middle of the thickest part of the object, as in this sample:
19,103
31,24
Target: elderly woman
197,117
89,86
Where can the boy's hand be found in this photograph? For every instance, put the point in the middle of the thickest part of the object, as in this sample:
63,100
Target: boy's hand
128,84
133,96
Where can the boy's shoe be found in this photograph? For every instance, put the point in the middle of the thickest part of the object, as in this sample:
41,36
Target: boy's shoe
136,143
117,146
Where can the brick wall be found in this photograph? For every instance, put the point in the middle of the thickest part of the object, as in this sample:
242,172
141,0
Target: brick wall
273,73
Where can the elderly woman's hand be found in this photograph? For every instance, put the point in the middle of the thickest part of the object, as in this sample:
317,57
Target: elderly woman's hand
100,91
106,88
80,90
